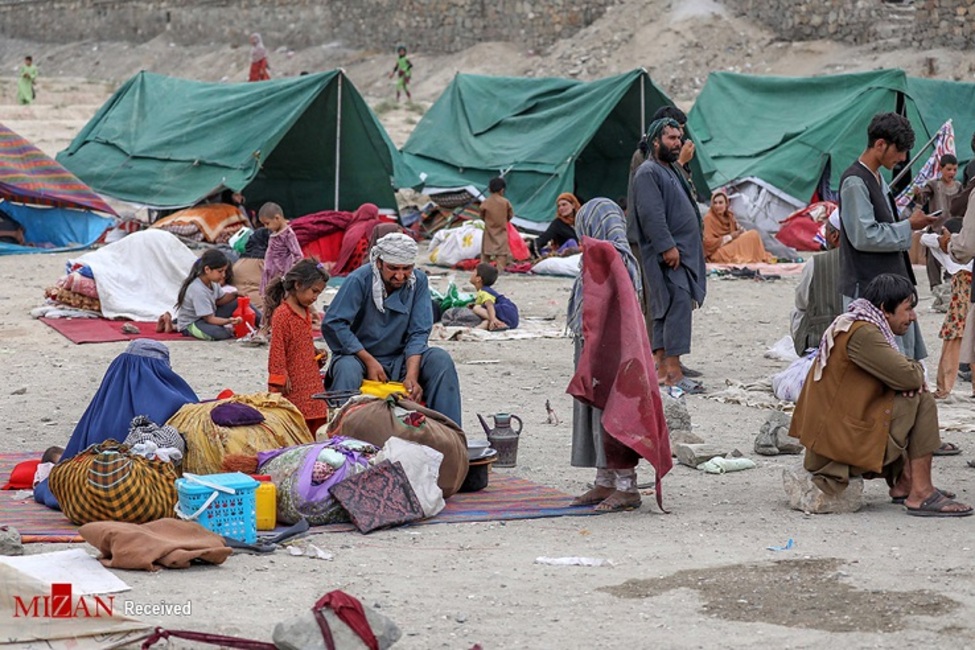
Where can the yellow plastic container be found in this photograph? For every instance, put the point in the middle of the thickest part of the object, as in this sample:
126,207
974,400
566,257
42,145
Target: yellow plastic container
380,389
266,500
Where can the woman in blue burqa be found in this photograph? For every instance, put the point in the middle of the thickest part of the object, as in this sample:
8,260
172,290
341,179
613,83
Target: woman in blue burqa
139,381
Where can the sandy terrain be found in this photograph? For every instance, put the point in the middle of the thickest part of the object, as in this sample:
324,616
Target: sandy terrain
703,575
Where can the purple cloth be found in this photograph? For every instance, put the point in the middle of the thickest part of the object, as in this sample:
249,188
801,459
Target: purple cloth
283,252
307,490
234,414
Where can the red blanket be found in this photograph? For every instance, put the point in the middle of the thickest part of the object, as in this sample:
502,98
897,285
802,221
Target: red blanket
616,372
319,224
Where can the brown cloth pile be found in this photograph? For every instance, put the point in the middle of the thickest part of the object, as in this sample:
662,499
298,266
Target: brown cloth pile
168,543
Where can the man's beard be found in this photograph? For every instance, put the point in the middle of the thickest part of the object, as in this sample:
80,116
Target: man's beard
667,155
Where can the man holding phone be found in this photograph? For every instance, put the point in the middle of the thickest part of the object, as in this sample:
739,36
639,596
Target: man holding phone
872,240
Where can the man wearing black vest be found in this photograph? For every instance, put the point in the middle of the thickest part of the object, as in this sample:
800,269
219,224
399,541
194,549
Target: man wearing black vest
872,240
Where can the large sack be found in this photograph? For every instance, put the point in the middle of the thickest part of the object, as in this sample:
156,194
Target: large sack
375,421
207,442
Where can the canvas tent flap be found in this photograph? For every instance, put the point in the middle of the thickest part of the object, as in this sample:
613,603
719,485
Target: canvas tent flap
784,130
547,136
938,101
65,229
168,142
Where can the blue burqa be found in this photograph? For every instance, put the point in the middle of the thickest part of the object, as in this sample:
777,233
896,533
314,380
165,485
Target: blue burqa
139,381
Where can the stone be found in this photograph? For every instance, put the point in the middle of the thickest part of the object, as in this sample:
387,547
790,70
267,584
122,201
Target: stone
805,496
773,438
693,455
20,391
10,543
675,411
682,436
302,632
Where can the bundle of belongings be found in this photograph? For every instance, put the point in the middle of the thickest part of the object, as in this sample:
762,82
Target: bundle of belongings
136,278
804,230
460,247
132,481
214,223
240,424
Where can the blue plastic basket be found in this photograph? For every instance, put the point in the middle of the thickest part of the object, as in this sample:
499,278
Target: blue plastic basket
222,503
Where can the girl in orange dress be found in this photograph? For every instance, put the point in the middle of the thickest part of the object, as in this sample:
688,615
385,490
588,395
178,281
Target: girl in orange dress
293,362
260,68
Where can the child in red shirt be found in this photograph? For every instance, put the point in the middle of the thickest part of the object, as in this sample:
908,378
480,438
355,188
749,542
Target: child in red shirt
293,362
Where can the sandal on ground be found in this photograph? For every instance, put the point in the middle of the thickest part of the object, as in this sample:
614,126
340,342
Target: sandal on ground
901,500
690,372
934,506
947,449
691,387
593,496
619,501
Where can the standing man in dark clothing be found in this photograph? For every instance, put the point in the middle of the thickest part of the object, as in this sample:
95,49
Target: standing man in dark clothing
872,241
666,224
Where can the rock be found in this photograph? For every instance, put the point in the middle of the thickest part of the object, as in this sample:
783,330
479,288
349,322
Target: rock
804,495
675,410
10,543
20,391
302,632
694,455
773,438
682,436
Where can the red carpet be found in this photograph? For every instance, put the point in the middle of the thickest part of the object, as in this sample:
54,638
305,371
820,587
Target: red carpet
34,522
101,330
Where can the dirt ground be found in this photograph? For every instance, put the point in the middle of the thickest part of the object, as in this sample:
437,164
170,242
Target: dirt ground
701,576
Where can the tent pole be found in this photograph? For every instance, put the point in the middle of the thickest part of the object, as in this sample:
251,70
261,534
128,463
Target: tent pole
338,141
920,152
643,104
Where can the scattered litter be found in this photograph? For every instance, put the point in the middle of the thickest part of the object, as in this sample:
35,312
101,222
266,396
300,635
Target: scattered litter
720,465
310,550
674,391
482,362
783,350
788,546
574,561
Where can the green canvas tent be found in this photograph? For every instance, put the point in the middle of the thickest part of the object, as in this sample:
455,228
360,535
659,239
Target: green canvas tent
787,131
546,136
309,143
940,100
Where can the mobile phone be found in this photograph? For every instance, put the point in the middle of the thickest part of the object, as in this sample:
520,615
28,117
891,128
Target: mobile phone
936,213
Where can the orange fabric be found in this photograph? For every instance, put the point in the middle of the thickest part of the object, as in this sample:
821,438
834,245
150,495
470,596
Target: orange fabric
211,219
744,249
571,198
259,71
292,356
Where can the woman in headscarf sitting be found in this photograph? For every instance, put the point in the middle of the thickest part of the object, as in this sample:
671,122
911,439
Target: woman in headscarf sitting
378,327
614,365
139,381
562,228
725,242
260,68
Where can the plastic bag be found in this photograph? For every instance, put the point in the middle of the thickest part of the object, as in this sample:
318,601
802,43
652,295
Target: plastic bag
783,350
239,239
454,297
788,384
422,466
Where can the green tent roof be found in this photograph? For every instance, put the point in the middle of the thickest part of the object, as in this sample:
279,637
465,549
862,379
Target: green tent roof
786,130
167,142
547,136
940,100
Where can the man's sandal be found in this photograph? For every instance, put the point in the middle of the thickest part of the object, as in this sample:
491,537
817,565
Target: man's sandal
593,496
947,449
900,500
934,506
620,501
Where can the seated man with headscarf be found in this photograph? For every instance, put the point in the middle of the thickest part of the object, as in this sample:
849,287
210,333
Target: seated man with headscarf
378,326
865,409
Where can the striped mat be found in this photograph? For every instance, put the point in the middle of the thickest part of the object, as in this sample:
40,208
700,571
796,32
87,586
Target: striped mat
505,498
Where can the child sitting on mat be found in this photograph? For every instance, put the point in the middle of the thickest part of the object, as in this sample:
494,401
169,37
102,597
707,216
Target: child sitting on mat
205,310
497,312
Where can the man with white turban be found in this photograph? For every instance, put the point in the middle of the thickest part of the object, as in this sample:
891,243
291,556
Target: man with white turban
378,326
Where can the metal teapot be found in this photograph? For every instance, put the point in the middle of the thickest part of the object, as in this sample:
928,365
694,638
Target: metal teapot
502,437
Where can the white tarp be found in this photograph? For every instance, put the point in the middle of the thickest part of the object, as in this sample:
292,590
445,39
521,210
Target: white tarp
139,276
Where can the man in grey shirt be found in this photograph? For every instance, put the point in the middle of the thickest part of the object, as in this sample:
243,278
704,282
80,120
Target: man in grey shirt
872,240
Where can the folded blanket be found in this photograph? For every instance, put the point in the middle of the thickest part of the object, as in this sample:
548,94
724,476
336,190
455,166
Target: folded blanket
169,543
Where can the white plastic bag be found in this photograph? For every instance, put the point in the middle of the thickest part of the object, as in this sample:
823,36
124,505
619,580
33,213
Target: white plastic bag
788,384
565,266
452,245
422,467
783,350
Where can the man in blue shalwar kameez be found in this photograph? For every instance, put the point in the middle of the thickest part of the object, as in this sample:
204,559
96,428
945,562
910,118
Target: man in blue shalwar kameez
378,327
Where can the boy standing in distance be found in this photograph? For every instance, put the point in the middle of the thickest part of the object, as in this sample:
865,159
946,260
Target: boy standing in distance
496,212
